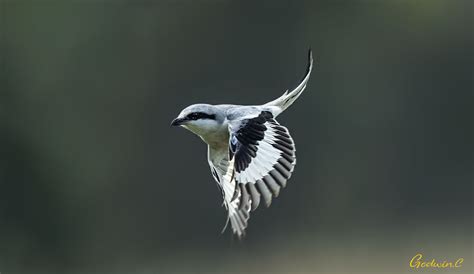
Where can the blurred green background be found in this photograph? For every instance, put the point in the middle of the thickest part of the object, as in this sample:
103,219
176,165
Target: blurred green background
93,179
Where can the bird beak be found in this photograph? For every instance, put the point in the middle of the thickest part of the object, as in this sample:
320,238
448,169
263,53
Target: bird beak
177,122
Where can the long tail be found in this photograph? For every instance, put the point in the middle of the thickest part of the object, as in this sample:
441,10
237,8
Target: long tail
284,101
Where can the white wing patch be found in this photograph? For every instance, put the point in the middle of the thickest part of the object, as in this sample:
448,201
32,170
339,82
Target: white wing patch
266,157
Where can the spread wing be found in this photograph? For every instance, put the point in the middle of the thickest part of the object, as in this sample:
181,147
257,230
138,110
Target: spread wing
263,156
259,162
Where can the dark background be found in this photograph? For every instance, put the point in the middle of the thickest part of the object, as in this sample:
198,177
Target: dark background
93,179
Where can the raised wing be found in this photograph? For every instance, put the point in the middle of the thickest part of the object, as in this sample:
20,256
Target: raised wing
263,153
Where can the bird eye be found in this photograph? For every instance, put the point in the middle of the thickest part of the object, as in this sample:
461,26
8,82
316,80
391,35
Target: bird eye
193,116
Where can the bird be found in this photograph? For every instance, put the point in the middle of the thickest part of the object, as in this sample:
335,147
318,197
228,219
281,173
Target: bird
251,156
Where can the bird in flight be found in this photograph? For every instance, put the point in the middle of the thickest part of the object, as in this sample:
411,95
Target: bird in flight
250,154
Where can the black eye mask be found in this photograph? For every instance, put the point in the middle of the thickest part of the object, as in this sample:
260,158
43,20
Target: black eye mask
200,115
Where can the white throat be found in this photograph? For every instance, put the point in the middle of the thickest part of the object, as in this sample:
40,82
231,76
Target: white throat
212,133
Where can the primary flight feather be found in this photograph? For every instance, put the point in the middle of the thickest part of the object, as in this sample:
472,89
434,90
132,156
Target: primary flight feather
250,154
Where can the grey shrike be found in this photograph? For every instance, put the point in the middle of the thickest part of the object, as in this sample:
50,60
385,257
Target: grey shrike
250,154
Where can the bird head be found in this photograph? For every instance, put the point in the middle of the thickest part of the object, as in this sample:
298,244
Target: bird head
201,119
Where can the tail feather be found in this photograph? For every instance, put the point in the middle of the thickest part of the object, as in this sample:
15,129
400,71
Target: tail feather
284,101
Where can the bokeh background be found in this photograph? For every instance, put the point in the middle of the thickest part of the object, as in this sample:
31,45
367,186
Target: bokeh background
94,180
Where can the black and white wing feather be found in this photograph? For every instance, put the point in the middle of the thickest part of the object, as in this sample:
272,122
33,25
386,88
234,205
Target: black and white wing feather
263,153
238,213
